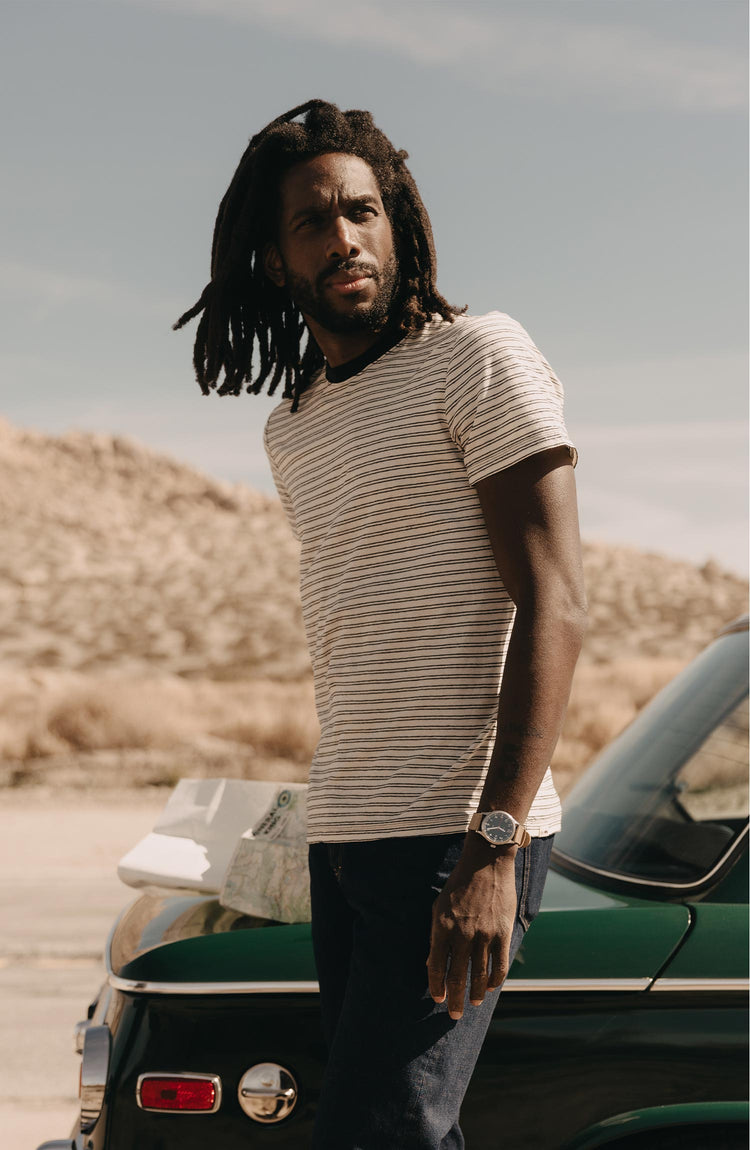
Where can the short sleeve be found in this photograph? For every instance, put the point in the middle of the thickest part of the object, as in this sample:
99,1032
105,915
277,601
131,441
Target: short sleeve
284,496
503,402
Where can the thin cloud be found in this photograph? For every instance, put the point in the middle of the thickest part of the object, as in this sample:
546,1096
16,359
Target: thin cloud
642,520
543,51
50,286
673,487
45,290
708,454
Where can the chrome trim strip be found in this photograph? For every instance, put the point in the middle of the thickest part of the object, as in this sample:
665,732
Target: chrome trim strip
652,884
136,986
212,1078
741,985
572,985
563,985
108,945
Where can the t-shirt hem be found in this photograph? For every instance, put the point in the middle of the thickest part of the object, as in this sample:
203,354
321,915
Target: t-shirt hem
537,831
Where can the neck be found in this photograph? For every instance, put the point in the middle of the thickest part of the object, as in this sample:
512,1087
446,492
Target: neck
339,348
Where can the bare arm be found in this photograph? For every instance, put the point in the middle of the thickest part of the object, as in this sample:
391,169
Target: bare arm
532,520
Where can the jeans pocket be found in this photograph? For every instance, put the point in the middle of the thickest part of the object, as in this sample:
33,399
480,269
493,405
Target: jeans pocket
534,872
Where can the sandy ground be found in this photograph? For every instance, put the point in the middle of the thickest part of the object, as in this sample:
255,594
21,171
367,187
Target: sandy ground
59,893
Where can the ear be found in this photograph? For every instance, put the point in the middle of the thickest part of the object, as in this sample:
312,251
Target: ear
274,265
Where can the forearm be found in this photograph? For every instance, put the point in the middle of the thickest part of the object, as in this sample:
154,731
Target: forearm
474,914
542,653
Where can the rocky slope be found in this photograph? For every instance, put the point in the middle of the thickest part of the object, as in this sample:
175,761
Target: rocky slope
114,556
145,606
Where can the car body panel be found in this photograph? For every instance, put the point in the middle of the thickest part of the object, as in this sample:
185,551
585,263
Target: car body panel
717,945
662,1118
597,937
734,886
590,1055
552,1066
581,945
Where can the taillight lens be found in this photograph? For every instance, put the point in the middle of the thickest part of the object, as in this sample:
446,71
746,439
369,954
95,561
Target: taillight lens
187,1093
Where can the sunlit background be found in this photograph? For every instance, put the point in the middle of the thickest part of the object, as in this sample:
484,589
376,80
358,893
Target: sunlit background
584,163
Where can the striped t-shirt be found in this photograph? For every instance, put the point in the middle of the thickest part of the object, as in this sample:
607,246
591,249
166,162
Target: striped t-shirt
406,617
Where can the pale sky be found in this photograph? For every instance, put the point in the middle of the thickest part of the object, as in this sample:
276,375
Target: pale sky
584,163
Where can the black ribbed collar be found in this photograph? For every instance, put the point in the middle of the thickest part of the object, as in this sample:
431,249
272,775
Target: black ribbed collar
352,367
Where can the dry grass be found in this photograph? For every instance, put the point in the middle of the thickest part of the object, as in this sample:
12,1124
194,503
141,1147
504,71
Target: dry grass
51,713
158,728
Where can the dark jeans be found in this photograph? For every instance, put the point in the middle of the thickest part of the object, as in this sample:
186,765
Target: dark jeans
398,1066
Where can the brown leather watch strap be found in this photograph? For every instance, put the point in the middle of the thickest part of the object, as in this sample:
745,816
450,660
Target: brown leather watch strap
521,836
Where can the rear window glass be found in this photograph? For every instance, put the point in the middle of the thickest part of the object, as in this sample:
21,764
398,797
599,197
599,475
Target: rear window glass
667,799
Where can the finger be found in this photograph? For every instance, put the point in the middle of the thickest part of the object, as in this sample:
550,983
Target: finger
480,969
437,966
456,984
500,963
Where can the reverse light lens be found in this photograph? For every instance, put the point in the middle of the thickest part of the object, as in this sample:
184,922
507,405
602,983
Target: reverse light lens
187,1094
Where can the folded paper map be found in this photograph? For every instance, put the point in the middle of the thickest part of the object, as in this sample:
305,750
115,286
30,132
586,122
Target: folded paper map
267,876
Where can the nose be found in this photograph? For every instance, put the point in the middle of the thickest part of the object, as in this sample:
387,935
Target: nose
342,242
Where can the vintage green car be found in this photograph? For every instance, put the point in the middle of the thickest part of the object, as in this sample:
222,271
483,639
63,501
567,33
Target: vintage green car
623,1022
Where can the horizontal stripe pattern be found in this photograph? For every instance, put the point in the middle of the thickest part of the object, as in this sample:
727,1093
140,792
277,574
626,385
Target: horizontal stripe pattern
406,617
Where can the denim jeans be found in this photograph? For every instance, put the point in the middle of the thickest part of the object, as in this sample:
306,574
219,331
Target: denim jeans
398,1065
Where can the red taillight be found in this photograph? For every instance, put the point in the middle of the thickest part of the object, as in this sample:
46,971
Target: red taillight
174,1092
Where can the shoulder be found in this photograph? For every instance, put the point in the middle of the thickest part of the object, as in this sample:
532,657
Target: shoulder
276,422
281,418
496,343
491,332
492,352
475,336
278,415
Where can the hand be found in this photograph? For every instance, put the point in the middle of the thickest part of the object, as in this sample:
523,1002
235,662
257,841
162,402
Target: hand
472,923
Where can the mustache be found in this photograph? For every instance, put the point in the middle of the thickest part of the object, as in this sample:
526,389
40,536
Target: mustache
358,266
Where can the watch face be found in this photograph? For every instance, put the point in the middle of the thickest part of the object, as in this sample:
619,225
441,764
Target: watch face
498,827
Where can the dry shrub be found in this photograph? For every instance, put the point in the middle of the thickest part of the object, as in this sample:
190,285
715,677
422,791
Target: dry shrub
257,722
48,713
277,719
23,728
108,713
27,741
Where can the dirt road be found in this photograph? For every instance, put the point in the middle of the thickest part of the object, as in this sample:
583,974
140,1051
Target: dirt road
59,893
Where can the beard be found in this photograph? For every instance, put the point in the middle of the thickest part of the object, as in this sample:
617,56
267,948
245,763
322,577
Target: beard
371,316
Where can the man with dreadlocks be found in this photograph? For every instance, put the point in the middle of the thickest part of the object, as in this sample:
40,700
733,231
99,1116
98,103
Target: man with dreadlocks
422,459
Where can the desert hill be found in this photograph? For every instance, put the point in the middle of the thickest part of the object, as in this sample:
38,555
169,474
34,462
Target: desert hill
144,606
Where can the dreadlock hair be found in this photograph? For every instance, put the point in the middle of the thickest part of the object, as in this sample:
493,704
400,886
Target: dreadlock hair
243,311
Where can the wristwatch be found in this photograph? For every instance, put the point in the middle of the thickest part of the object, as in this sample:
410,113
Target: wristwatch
499,828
